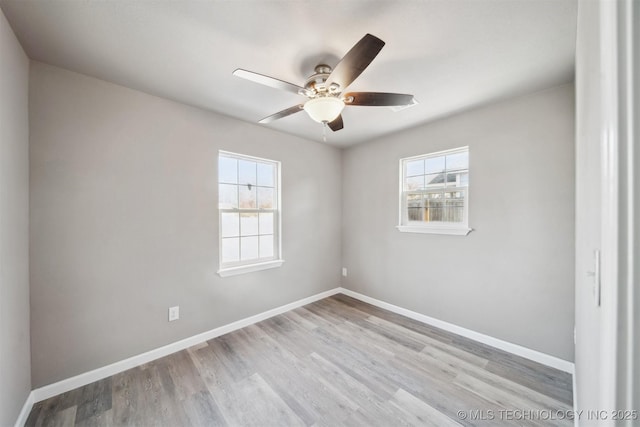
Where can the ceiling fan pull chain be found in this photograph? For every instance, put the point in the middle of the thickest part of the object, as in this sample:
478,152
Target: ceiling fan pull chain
324,131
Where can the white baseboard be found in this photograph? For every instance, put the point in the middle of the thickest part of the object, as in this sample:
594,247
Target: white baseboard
26,409
516,349
68,384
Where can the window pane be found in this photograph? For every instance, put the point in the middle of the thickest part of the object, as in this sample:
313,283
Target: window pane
464,179
435,165
248,224
455,214
433,214
266,223
228,196
435,179
248,248
414,200
231,250
414,183
415,167
230,224
266,175
265,198
459,179
451,179
447,207
458,161
436,191
246,172
247,197
454,208
227,170
414,207
433,207
414,214
266,246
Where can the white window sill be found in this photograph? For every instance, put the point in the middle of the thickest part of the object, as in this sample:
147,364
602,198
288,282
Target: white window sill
243,269
452,230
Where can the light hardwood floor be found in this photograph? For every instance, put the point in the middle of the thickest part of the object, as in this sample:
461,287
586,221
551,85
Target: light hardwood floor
336,362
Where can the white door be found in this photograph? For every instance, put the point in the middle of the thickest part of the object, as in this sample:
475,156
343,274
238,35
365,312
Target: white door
606,352
589,130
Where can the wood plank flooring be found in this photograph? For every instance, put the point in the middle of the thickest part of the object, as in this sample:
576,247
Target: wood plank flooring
336,362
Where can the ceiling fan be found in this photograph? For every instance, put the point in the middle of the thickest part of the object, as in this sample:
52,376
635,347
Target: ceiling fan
324,89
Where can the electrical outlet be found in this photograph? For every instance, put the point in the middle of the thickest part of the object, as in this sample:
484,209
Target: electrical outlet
344,271
174,313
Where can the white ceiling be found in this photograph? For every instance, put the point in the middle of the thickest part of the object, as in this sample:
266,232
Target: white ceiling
451,54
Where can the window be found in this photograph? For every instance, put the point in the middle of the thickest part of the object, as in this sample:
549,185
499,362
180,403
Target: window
434,193
249,211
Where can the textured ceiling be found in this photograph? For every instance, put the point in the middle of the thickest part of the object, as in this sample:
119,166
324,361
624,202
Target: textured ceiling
451,54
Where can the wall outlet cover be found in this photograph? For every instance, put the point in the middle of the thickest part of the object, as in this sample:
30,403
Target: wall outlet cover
174,313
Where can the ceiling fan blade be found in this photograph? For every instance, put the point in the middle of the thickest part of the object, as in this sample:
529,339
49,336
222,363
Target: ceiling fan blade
267,81
336,124
379,99
284,113
355,61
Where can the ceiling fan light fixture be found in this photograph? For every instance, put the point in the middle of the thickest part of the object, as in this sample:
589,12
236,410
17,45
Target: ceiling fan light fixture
324,109
323,89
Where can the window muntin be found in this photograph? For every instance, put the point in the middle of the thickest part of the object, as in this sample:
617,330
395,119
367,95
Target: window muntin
248,210
434,191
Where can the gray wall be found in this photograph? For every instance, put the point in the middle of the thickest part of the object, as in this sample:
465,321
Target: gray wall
15,371
512,277
124,222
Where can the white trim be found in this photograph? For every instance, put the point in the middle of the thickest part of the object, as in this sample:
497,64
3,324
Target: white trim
45,392
69,384
26,410
438,153
456,231
516,349
576,420
406,226
246,157
241,267
607,393
625,325
233,271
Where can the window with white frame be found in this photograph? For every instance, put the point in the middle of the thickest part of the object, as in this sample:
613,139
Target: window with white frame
249,213
434,193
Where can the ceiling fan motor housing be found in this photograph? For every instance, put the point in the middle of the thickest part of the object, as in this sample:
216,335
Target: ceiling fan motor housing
316,83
